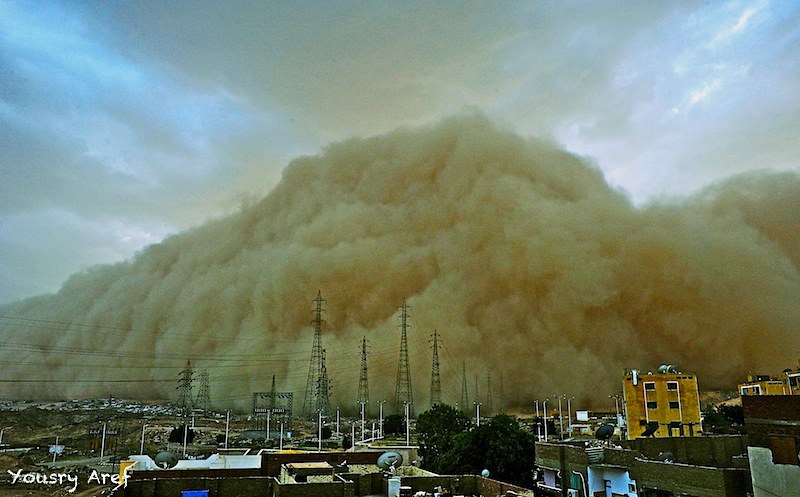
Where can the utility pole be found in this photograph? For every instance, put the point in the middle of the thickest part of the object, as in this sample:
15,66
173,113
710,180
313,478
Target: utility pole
436,383
403,393
312,401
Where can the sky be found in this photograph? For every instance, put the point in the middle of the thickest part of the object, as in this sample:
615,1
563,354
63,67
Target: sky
122,122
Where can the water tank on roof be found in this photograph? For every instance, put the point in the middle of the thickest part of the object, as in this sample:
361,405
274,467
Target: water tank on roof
667,369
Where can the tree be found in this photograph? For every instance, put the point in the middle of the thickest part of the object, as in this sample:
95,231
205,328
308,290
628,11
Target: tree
326,432
437,428
500,446
176,435
394,424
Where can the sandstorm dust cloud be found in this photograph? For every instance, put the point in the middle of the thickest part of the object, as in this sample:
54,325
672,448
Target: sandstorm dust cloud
531,268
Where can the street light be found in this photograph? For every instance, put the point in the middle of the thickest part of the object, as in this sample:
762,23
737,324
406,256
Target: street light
380,419
616,405
560,419
227,426
545,419
141,447
408,424
569,415
362,420
477,414
319,435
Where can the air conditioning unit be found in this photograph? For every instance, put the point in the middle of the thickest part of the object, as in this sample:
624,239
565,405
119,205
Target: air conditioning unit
573,492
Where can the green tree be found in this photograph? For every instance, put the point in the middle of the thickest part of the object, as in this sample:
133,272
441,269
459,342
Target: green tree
436,430
176,435
500,446
394,424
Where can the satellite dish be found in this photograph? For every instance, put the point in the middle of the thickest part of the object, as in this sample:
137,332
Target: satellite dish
389,460
667,369
665,456
485,473
604,432
166,460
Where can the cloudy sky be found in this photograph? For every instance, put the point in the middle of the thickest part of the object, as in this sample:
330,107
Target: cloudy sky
124,121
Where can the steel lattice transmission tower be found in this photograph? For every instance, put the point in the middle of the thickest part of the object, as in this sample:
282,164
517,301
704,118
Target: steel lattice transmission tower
203,397
312,398
363,384
402,392
436,382
464,393
185,389
323,393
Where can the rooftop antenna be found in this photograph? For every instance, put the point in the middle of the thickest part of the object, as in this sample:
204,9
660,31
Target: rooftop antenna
402,393
312,401
436,383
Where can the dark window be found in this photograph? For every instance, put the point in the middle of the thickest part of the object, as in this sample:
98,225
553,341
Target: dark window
674,404
672,385
784,450
649,385
652,405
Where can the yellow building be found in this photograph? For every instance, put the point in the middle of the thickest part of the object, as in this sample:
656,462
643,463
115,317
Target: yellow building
664,404
791,379
763,385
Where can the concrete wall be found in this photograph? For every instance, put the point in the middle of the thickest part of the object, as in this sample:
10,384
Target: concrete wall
771,479
697,481
336,489
271,462
461,485
217,487
618,478
717,451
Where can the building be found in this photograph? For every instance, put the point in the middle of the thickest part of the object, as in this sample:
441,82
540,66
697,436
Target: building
662,404
791,378
712,466
303,474
762,385
773,430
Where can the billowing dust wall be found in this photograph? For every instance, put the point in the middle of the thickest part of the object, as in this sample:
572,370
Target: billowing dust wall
529,266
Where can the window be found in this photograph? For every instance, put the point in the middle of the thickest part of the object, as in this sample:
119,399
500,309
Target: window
649,385
674,404
784,449
652,405
631,487
672,385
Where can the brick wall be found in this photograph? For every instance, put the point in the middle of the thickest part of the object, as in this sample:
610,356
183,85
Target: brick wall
691,480
271,463
785,407
716,451
217,487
